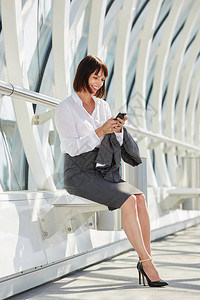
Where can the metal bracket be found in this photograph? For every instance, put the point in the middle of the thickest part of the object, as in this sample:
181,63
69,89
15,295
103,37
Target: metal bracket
140,138
154,145
178,196
68,215
39,119
180,152
167,149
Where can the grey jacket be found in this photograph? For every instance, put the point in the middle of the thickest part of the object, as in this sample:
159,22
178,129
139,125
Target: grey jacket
110,154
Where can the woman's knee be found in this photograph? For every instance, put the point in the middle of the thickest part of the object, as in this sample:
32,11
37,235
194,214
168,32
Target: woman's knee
130,204
141,200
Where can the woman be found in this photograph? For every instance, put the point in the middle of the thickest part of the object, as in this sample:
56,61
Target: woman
83,120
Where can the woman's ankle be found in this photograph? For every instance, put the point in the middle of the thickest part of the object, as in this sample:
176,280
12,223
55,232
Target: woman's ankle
145,258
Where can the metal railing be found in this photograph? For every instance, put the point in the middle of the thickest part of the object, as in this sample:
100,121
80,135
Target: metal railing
8,89
159,138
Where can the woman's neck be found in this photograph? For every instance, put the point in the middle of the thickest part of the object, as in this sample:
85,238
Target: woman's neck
86,97
88,101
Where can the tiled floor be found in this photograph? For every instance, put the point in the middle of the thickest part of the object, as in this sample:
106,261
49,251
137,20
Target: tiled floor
177,258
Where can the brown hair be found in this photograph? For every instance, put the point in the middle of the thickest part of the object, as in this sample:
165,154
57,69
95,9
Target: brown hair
86,67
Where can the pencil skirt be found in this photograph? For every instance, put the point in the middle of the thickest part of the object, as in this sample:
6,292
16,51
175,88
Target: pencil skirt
83,180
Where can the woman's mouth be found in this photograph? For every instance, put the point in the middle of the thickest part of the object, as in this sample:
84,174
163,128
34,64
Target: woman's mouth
95,87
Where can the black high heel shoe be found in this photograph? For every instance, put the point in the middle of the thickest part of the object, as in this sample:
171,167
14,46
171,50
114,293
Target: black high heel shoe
142,273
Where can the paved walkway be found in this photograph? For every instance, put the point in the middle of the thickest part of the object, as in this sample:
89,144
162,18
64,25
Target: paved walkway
177,258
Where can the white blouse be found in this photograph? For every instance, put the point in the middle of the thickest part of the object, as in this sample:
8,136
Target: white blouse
76,127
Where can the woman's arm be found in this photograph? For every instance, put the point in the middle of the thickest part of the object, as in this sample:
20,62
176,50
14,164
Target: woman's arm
71,143
108,127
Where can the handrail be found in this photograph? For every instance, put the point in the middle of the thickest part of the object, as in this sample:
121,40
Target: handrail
8,89
162,138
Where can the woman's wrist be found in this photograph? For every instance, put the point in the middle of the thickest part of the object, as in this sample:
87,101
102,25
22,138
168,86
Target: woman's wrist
99,132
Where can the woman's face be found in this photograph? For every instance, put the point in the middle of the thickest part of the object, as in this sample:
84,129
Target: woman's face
96,81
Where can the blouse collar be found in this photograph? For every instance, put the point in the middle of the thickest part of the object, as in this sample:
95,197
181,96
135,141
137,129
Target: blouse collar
76,98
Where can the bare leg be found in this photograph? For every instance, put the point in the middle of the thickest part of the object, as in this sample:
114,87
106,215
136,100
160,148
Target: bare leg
132,228
144,221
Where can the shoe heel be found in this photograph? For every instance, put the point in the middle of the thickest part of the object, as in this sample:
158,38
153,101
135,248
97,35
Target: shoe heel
143,277
139,273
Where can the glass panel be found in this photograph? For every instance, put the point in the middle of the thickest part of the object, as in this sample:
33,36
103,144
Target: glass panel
51,148
15,173
2,53
12,159
79,41
57,158
42,48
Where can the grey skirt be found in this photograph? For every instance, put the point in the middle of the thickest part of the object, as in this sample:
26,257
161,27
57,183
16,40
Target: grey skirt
83,180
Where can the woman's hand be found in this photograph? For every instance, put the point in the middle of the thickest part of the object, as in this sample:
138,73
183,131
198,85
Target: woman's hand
108,127
120,124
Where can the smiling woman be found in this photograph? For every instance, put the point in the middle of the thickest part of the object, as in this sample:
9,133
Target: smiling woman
94,142
90,66
96,81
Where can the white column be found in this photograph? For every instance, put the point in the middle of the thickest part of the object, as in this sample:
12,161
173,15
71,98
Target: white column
160,67
60,47
191,116
110,24
175,68
157,91
197,124
186,77
96,27
120,65
77,8
144,52
141,76
1,190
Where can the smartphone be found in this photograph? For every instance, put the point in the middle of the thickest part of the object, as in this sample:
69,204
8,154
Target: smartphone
120,115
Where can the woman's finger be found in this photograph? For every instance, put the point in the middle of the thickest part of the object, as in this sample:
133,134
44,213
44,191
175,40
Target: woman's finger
122,122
